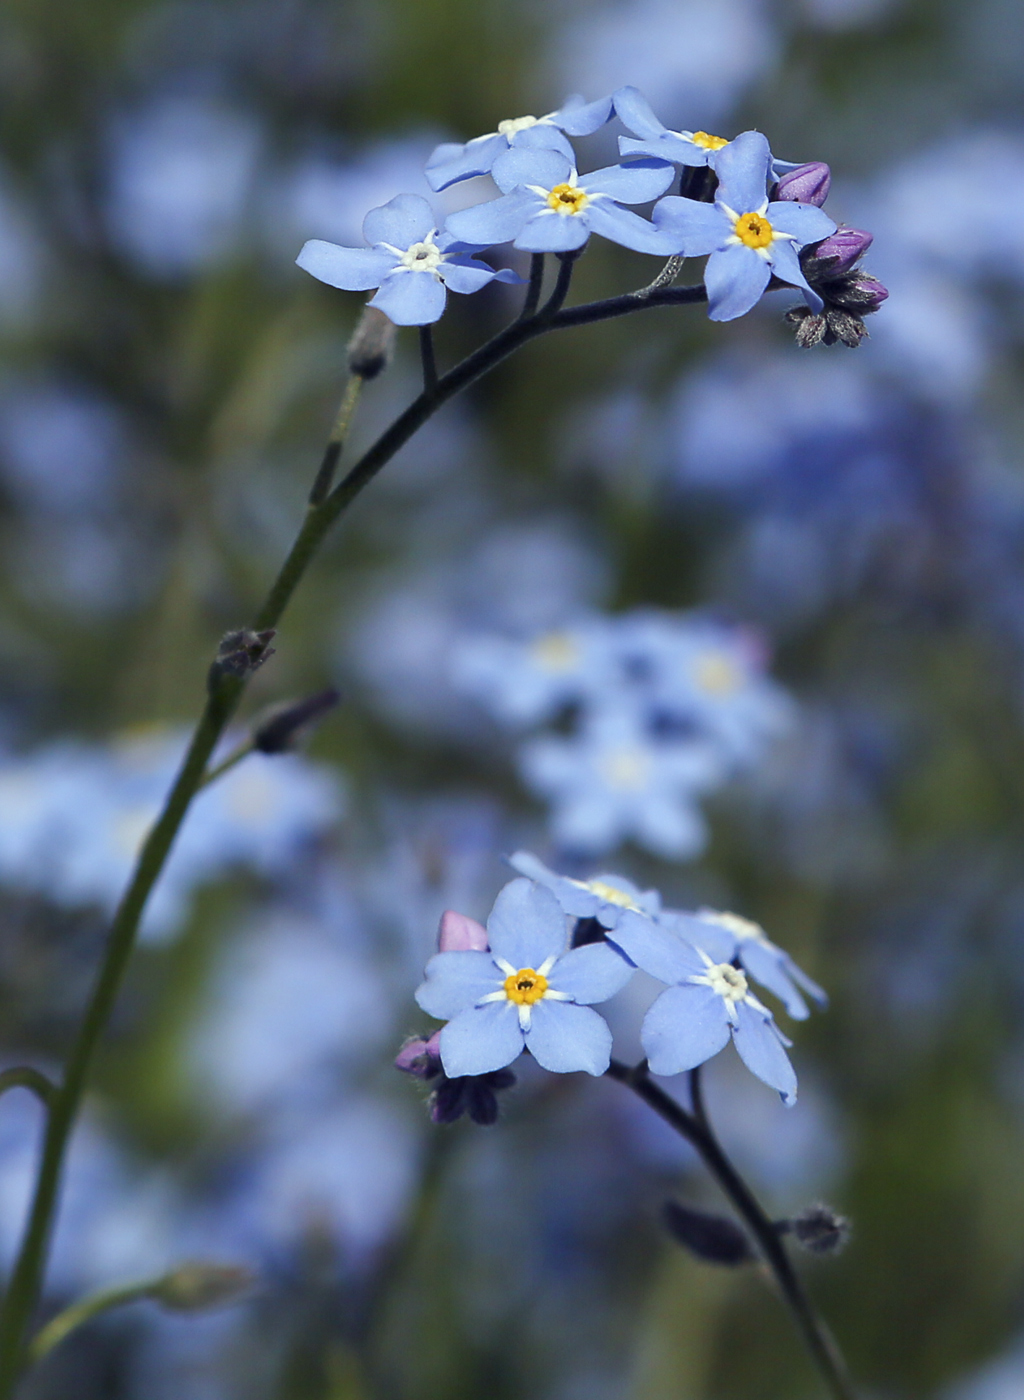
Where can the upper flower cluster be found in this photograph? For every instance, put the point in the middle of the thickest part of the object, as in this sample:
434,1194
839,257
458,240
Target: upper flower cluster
553,947
664,707
749,212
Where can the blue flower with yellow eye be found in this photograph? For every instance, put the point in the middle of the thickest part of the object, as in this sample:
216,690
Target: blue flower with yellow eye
410,262
547,207
658,140
453,161
529,991
749,239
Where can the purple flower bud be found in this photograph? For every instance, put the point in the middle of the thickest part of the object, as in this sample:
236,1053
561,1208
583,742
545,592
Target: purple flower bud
870,293
842,249
458,933
420,1057
807,184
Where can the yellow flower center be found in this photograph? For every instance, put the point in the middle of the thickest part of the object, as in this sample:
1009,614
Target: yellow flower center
708,143
525,986
567,199
511,126
754,230
611,894
716,674
556,651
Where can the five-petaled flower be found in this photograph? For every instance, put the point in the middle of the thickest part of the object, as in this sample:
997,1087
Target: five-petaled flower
749,239
410,262
453,161
706,1002
605,898
546,207
529,991
656,139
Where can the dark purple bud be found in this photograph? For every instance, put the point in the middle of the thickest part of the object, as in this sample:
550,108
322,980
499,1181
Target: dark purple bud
282,726
714,1238
419,1057
842,249
870,293
807,184
448,1101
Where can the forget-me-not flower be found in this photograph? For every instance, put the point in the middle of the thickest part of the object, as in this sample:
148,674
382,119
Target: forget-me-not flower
546,207
749,239
453,161
410,263
656,139
603,897
525,681
706,1003
529,991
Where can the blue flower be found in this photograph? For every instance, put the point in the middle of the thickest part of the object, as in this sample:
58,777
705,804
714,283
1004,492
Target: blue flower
453,161
410,263
749,239
706,1003
546,207
525,681
527,992
730,938
604,897
680,147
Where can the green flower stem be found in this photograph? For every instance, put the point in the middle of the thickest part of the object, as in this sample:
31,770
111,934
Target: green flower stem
697,1131
26,1280
25,1077
84,1310
225,766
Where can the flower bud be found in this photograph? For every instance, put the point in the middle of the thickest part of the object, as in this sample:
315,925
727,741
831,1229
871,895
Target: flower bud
842,249
869,293
713,1238
807,184
369,350
240,653
197,1286
420,1058
458,933
818,1228
281,727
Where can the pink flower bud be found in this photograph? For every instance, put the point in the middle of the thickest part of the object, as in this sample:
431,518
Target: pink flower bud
846,245
420,1057
459,933
807,184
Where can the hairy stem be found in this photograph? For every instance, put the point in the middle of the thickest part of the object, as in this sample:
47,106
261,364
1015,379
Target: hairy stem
26,1279
695,1128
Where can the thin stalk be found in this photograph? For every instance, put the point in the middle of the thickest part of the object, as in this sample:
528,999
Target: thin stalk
26,1278
533,288
83,1311
427,358
816,1336
243,750
25,1077
324,478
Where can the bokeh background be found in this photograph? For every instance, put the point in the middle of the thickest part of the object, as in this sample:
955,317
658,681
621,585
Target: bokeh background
167,378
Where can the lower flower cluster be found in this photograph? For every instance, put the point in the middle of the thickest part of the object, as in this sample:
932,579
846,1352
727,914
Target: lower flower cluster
555,947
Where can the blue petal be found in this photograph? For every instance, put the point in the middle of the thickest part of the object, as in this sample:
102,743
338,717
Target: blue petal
735,278
806,222
809,985
589,974
684,1027
543,138
576,901
523,166
496,221
466,275
742,170
481,1040
457,981
786,266
404,220
563,1038
765,966
411,298
353,269
625,227
554,233
694,228
580,118
716,941
452,162
636,113
633,183
667,146
761,1051
527,925
655,949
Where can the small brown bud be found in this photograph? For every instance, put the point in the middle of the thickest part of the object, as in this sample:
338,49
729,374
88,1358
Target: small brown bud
372,343
197,1286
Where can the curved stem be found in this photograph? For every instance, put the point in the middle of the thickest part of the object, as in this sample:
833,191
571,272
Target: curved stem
26,1279
83,1311
25,1077
697,1131
533,289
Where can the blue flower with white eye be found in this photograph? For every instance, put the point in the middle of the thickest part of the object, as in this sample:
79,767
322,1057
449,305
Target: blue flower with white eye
749,239
658,140
706,1003
546,207
453,161
729,938
525,681
604,897
528,992
410,262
